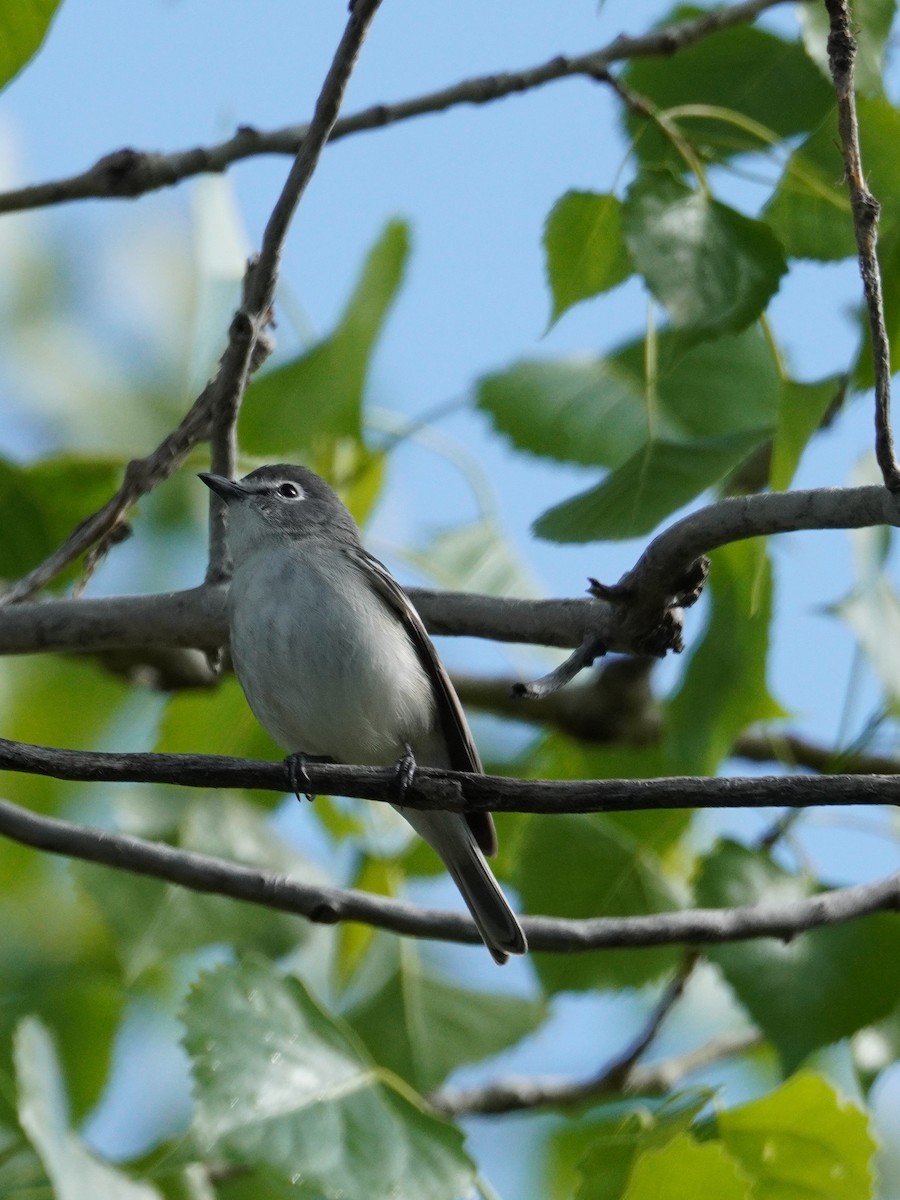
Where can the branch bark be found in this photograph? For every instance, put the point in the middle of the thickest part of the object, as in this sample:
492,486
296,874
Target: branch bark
525,1094
865,209
223,394
129,173
327,905
455,791
642,614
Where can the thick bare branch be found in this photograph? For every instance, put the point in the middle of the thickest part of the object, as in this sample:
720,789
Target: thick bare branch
129,173
865,209
662,566
197,617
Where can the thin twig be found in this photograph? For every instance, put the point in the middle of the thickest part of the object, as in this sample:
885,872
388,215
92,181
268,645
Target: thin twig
865,208
224,392
129,173
519,1095
589,650
325,905
796,751
223,451
141,476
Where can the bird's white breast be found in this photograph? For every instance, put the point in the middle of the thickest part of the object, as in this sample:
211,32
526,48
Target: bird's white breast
326,666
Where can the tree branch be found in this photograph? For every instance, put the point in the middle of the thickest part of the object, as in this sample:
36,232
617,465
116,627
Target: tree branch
640,620
796,751
621,1075
865,209
327,905
649,585
129,173
455,791
223,393
519,1095
618,706
197,618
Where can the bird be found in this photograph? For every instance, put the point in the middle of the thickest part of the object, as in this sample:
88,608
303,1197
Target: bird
336,664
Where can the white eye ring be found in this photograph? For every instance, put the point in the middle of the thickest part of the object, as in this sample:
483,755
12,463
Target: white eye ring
288,491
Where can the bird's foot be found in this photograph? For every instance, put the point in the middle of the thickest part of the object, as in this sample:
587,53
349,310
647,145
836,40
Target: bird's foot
298,776
406,771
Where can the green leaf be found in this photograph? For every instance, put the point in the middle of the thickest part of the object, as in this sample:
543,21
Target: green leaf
603,411
260,1184
82,1007
712,268
608,873
40,505
21,1172
724,687
741,68
872,20
682,1170
801,410
319,395
658,480
705,389
23,27
32,712
557,756
585,251
801,1140
810,208
588,411
297,1093
422,1027
818,987
154,922
592,1159
75,1173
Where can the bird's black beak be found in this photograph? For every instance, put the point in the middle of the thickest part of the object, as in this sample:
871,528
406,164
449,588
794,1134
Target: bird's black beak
227,489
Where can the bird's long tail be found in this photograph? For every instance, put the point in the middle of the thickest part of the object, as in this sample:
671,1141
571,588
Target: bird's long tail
450,837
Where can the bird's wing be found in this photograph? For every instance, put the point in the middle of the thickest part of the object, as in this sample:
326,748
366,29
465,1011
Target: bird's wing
460,745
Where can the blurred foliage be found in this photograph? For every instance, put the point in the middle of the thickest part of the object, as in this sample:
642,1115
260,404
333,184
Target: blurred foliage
313,1051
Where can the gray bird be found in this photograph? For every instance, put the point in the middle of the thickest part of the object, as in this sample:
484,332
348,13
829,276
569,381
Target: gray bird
336,663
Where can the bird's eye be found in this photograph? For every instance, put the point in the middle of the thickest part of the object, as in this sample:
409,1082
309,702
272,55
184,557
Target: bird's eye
288,490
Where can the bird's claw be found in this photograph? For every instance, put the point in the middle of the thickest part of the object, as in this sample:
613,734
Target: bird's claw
298,776
406,771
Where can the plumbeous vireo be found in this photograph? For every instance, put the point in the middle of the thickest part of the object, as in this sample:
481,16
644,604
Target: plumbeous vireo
336,663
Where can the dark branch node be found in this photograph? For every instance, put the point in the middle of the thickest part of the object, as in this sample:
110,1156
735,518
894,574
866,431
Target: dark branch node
689,586
613,593
324,914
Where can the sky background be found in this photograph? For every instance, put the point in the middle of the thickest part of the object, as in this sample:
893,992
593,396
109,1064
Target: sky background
155,280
